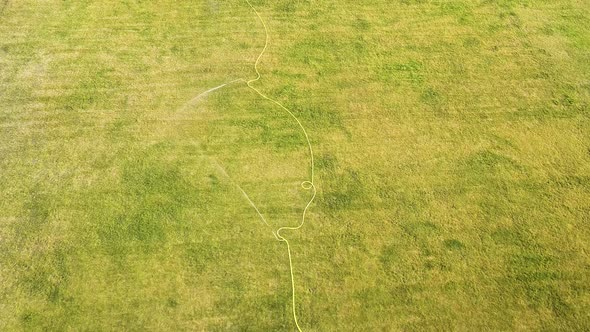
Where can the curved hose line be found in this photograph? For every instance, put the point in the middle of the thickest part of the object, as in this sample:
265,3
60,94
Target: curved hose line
307,185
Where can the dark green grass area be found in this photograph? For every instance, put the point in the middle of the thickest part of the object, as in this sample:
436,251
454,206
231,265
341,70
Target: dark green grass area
451,148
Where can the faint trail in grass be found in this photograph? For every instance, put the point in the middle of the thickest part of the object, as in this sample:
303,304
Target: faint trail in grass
307,185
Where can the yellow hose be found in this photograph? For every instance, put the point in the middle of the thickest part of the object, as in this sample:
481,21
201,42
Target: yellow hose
308,185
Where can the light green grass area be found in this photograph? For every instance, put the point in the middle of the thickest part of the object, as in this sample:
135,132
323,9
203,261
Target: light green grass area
452,145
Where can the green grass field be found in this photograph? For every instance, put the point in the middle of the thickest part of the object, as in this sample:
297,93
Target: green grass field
452,149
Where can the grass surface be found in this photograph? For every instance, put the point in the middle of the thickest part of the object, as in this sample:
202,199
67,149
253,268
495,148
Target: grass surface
452,150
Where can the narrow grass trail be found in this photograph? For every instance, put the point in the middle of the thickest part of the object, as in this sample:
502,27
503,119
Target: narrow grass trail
307,184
